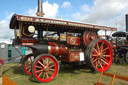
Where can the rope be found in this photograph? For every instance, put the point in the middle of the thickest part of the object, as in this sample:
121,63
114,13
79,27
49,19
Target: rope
20,54
13,57
10,58
17,77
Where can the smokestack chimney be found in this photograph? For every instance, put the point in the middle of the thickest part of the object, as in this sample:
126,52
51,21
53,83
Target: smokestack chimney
126,22
39,9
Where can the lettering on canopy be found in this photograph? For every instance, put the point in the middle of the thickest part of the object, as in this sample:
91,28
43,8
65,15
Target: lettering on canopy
61,22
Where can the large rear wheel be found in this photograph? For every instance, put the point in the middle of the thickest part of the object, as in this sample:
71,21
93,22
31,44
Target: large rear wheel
99,55
45,68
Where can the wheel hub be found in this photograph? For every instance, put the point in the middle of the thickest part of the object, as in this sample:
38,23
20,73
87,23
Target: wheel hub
46,68
100,55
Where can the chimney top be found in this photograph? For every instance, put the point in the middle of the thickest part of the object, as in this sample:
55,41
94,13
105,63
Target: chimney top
40,9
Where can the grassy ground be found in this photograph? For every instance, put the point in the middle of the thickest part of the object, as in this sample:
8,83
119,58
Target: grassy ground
67,75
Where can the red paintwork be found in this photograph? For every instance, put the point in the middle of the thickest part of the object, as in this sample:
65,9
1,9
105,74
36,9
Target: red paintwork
25,67
73,40
57,49
1,61
23,40
62,49
27,44
102,55
52,43
71,57
126,45
53,73
88,36
53,50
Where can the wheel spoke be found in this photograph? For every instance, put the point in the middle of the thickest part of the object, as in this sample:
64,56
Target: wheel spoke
100,64
105,49
40,73
96,64
47,75
44,75
29,70
38,67
103,58
47,61
50,73
106,55
94,60
52,65
40,63
102,46
94,55
101,61
103,52
95,50
104,61
52,69
28,67
98,47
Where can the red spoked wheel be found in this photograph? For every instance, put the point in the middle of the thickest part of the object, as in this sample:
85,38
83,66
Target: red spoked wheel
99,55
45,68
27,63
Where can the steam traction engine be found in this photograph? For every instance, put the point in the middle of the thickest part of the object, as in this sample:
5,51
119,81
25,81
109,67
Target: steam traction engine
52,39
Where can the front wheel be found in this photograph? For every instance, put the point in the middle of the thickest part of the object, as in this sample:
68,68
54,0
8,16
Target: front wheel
98,55
26,64
126,57
116,57
45,68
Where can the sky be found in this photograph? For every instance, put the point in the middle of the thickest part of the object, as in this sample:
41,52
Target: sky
100,12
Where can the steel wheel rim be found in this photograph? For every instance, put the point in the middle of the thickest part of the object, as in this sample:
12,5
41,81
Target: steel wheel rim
102,55
28,64
127,59
46,68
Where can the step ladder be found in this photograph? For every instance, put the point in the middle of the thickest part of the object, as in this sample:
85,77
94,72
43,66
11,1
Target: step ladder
110,75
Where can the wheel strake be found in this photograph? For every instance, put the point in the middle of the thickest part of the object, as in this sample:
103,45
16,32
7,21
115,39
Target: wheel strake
101,55
46,68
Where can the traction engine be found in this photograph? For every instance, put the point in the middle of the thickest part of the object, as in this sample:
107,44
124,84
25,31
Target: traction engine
52,39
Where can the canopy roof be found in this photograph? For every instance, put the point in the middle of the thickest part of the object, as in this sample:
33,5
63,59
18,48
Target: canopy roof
54,24
120,34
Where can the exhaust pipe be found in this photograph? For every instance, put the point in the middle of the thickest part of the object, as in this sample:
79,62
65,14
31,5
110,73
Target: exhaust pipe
126,17
39,9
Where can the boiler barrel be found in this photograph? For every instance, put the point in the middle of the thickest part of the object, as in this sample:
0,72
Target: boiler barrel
57,49
52,48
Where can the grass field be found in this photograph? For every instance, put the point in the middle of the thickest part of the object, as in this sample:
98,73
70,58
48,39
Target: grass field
67,75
